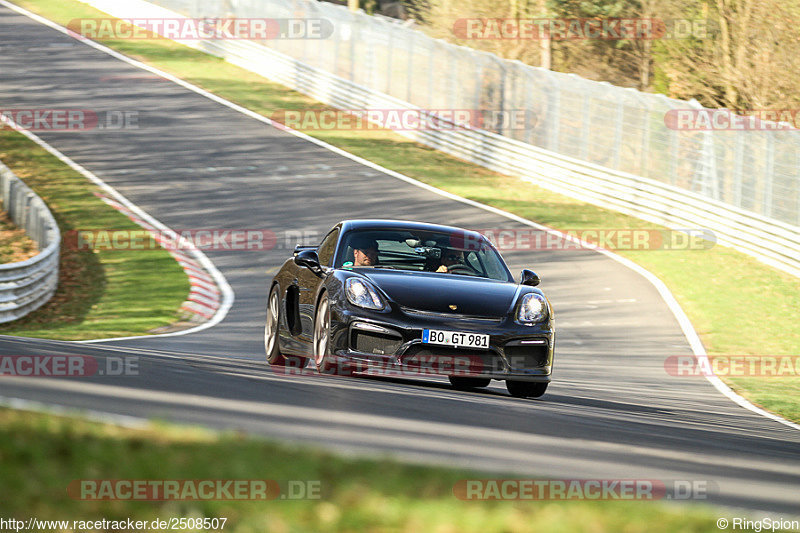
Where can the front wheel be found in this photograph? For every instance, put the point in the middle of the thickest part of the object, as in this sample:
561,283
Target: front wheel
525,389
465,383
322,341
271,347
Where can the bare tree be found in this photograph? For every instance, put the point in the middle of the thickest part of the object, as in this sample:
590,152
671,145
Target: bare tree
750,62
442,15
740,53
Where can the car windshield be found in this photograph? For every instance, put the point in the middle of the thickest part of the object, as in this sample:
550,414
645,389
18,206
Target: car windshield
454,253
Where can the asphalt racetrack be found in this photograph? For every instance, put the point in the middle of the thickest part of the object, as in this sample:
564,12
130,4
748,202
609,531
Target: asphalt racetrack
611,412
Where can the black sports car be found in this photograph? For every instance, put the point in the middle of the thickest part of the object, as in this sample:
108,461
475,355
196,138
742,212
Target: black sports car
410,297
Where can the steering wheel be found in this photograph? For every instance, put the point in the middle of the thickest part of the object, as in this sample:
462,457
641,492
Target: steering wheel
458,267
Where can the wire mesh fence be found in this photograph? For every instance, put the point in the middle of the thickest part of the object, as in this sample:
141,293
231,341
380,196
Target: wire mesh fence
618,128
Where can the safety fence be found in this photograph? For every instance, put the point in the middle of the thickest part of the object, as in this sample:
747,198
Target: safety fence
27,285
611,146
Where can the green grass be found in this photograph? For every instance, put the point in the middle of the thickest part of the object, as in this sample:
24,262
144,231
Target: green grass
41,454
15,245
103,293
737,304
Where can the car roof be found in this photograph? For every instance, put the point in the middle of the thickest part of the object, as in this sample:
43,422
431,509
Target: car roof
383,224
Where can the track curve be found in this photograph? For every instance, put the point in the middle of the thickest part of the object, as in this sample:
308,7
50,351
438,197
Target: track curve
611,412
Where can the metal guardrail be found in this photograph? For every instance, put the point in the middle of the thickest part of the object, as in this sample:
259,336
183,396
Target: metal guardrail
27,285
618,128
686,195
772,241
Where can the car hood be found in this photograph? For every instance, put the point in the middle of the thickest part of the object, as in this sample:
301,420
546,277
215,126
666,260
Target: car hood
437,292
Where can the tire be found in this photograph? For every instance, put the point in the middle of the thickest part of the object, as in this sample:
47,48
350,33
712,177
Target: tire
525,389
271,330
322,341
465,383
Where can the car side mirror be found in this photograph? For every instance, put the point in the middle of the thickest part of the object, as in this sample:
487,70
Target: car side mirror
529,277
310,260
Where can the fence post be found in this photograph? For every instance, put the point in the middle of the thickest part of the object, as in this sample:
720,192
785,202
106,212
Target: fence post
528,109
738,160
644,156
553,113
431,63
709,184
502,93
584,146
673,151
452,99
410,73
369,75
769,174
337,39
389,61
478,61
353,29
619,116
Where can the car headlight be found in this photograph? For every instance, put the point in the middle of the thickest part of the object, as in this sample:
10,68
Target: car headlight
363,294
532,309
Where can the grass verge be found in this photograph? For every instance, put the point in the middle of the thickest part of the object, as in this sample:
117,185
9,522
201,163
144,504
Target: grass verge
100,293
15,245
724,292
41,454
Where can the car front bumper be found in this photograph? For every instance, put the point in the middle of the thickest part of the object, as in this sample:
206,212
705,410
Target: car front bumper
391,342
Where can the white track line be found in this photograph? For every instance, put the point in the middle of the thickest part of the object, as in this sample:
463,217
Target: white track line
672,303
222,283
226,290
130,422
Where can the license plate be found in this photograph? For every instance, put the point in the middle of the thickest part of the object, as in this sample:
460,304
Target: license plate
455,338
